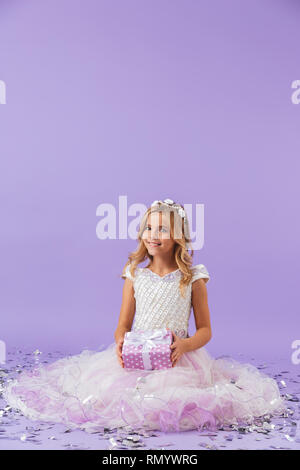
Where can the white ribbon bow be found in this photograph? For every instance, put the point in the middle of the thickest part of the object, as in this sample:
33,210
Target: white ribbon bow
150,340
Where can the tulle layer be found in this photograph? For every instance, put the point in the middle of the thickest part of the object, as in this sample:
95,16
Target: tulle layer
91,389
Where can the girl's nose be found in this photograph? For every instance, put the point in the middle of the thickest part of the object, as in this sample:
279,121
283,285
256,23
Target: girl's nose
154,235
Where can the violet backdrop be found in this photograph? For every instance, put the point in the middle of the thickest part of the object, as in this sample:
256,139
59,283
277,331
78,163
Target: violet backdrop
189,100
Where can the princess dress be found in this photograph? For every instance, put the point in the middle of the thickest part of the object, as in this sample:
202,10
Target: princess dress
92,390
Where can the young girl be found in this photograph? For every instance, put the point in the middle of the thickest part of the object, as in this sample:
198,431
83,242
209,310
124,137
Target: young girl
94,389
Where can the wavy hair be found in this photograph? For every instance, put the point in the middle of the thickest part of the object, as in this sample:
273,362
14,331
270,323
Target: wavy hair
178,226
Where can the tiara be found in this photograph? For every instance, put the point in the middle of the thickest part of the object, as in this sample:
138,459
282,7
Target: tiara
170,203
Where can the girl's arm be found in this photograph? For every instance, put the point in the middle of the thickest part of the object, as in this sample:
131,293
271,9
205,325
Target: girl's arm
202,316
127,310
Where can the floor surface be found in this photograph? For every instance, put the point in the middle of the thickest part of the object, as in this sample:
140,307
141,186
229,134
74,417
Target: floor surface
18,432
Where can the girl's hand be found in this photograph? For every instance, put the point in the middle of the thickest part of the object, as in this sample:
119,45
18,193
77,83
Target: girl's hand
119,350
178,347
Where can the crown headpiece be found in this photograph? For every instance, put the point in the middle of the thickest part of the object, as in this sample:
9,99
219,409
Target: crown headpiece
170,203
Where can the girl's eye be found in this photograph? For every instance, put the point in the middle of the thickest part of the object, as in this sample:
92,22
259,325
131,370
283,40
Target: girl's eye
162,228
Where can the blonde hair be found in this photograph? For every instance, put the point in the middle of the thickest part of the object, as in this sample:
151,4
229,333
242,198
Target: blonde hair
183,258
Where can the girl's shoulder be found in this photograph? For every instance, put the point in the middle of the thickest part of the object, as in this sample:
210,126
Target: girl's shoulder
128,274
200,272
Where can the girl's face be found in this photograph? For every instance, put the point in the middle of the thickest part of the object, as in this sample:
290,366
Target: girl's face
157,235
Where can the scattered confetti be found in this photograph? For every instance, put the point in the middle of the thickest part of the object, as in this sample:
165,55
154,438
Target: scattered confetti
266,432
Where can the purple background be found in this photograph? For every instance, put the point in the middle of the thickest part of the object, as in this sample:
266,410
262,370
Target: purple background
189,100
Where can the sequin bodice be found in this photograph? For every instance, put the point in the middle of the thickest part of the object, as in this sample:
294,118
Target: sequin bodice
159,303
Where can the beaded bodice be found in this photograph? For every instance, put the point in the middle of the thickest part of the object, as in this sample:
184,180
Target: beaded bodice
159,303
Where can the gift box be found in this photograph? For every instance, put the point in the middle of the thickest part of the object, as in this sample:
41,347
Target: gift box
148,349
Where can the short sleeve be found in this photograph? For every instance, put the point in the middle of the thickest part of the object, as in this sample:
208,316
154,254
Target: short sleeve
127,273
200,272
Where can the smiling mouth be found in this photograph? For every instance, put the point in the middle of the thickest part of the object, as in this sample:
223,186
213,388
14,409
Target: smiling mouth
154,244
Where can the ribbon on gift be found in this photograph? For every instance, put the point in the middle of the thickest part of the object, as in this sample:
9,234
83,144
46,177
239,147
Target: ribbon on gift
149,339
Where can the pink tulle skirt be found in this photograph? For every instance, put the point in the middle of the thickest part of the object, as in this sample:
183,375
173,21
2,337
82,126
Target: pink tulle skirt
92,390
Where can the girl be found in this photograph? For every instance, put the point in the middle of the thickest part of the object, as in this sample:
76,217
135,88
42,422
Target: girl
94,389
